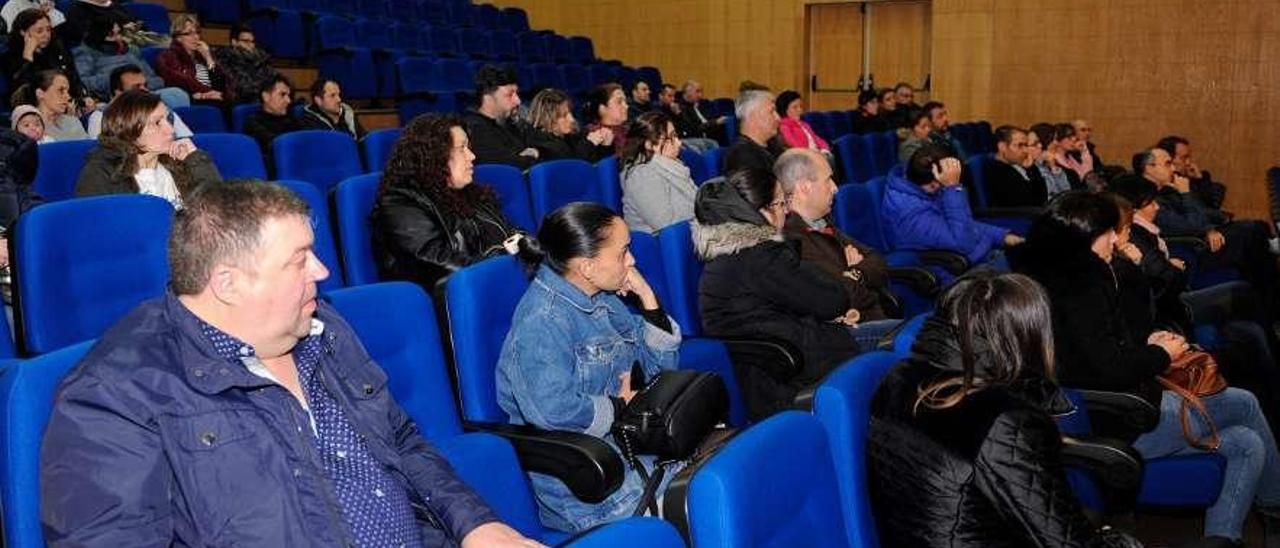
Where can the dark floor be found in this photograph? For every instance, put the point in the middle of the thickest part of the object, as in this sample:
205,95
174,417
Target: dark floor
1173,530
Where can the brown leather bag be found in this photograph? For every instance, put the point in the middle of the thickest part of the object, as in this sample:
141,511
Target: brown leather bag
1192,376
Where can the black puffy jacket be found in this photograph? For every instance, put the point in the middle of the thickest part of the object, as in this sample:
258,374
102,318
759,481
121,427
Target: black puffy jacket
414,240
986,472
18,162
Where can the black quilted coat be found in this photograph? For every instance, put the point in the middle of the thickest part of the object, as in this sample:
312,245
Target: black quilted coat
985,473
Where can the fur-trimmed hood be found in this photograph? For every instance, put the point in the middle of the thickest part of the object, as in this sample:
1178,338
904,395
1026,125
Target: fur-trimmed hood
718,240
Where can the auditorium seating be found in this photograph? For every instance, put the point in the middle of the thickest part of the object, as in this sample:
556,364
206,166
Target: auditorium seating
559,182
202,118
236,155
60,166
857,164
320,157
513,194
377,147
324,247
610,182
353,202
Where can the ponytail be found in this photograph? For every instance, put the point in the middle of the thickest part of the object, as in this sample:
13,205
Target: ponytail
573,231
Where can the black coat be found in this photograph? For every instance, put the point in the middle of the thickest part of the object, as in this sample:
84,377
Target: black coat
574,146
870,124
52,57
986,472
746,153
496,142
1094,345
18,162
264,127
1008,188
755,286
414,241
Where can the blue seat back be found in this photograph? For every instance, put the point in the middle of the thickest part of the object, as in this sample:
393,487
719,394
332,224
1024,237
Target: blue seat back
558,48
650,75
575,78
472,42
26,401
397,325
906,337
240,114
610,183
60,166
532,47
884,151
513,193
841,123
559,182
502,44
581,50
353,201
318,156
648,254
335,32
856,162
455,75
713,163
373,33
842,404
697,168
487,16
515,20
684,271
216,11
202,118
236,155
976,166
739,498
154,17
856,212
73,283
643,531
324,247
377,147
417,74
481,299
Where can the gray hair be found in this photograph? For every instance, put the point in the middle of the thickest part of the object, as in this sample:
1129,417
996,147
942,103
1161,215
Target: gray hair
749,100
222,224
793,166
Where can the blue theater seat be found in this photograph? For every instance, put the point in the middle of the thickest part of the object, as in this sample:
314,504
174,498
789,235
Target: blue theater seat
513,193
324,246
320,157
60,166
559,182
377,146
353,201
202,118
236,155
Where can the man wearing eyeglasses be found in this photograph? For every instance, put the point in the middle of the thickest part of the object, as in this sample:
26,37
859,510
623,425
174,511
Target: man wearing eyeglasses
248,65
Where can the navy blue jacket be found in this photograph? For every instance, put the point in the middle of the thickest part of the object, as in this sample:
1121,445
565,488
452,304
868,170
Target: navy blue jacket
156,440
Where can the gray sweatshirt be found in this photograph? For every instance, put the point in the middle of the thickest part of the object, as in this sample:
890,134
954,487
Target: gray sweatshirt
657,193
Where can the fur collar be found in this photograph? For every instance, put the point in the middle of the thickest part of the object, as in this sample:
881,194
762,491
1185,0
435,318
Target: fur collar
712,241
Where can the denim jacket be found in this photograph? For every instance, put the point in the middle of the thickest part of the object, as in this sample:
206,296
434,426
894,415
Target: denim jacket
560,363
156,440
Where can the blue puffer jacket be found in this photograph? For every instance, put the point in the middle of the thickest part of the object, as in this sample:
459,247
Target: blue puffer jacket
916,220
157,441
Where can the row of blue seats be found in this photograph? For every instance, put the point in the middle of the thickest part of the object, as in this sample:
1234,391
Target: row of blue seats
451,79
460,13
861,157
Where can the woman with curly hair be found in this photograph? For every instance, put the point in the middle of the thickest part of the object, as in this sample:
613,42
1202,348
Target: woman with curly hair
429,220
136,154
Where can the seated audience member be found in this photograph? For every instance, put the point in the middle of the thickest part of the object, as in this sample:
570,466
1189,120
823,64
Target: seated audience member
639,102
429,220
606,108
914,135
756,147
567,361
896,117
905,97
806,180
105,50
18,163
555,134
48,92
273,119
963,448
189,64
128,78
1067,252
26,119
33,49
137,154
249,66
1074,154
796,133
869,118
1009,182
698,123
327,111
84,14
242,307
1084,131
667,103
496,138
1210,192
929,210
1057,179
12,8
941,134
755,286
657,189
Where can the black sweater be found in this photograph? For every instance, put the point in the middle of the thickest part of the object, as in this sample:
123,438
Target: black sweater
496,142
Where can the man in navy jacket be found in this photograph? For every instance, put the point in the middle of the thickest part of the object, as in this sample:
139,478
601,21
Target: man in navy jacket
239,410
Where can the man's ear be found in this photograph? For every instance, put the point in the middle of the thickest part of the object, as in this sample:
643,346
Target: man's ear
225,284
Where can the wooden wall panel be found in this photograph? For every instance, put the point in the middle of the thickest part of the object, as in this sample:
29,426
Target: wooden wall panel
835,37
899,42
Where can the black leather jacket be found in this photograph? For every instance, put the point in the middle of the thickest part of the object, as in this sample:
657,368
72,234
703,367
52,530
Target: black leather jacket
414,241
986,472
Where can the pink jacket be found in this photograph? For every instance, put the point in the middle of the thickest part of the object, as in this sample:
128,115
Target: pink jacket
796,133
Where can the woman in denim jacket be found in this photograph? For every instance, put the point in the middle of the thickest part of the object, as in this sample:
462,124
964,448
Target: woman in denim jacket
567,360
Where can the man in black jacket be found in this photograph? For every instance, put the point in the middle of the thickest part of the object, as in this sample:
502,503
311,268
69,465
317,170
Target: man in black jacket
697,122
1210,192
756,148
274,119
1009,184
327,111
495,137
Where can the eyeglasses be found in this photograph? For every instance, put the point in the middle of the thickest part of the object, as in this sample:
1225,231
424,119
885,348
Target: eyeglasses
779,204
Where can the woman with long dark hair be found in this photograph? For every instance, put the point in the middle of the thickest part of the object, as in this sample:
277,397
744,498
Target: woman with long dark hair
606,108
429,219
657,189
963,449
567,361
1068,250
33,48
137,153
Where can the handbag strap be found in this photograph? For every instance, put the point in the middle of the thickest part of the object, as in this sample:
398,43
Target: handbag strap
1191,401
647,499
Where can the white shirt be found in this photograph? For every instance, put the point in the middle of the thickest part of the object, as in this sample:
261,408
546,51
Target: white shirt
159,182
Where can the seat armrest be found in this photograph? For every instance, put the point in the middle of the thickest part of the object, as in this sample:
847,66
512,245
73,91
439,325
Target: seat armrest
920,280
1119,415
950,261
588,466
779,359
1112,461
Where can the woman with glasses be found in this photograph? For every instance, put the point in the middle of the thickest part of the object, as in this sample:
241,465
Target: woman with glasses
755,286
657,189
137,154
189,64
